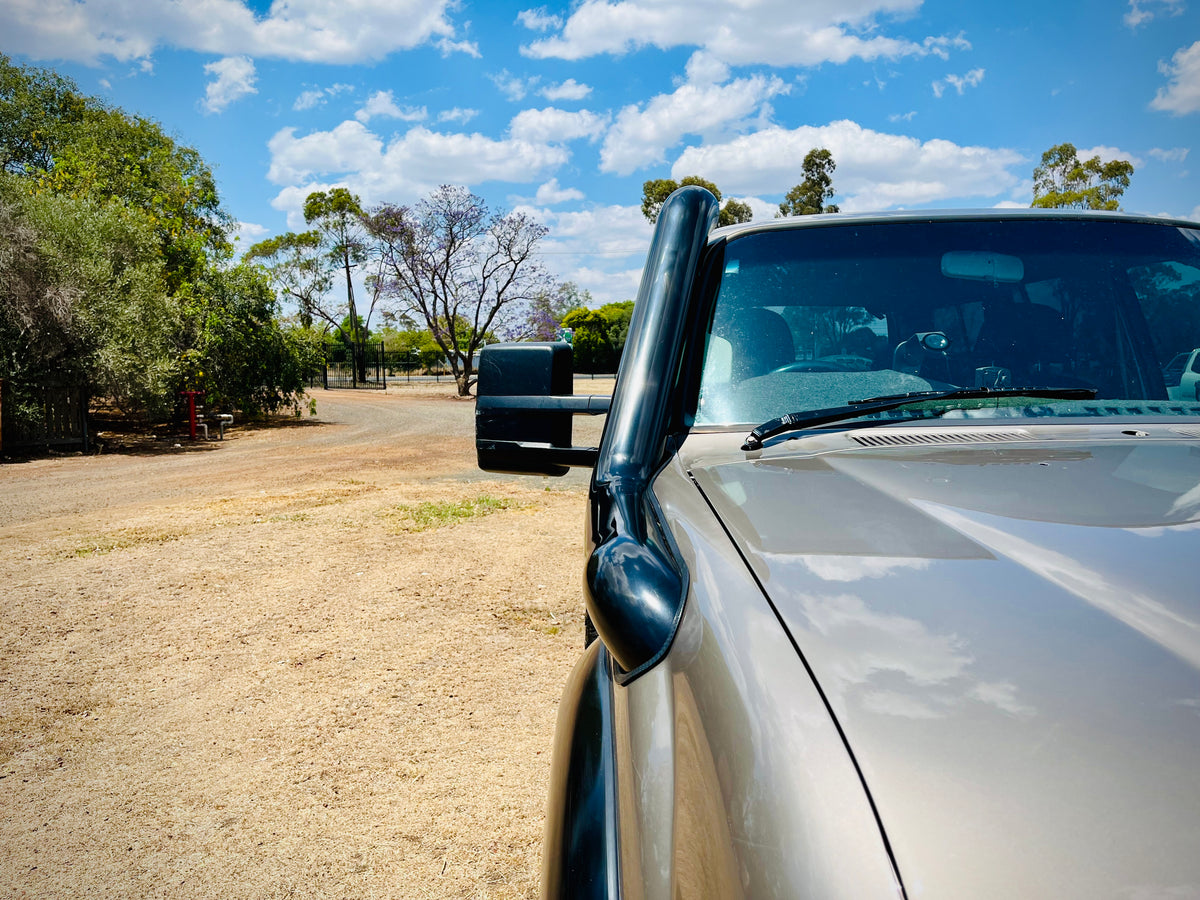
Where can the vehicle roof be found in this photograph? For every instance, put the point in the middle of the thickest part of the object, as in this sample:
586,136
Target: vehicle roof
939,215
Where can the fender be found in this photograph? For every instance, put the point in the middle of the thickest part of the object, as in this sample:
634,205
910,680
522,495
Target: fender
579,852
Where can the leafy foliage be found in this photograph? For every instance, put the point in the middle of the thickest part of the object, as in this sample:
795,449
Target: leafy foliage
810,195
298,269
114,268
83,299
656,191
1062,180
239,354
599,335
338,216
412,347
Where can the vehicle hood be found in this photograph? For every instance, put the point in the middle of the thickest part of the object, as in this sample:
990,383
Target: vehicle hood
1009,638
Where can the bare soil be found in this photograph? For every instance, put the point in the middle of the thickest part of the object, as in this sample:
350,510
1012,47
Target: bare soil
318,659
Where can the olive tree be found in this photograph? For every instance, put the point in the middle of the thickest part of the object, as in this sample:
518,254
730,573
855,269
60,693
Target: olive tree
460,267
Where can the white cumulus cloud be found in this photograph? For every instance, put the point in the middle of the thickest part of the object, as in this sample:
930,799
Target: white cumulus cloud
775,32
383,103
1182,94
551,125
457,114
874,170
601,248
235,77
567,90
402,169
539,19
343,149
514,87
551,194
642,133
329,31
314,97
1108,153
247,233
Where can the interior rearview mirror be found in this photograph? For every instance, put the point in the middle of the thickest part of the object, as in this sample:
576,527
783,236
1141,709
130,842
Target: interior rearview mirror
982,265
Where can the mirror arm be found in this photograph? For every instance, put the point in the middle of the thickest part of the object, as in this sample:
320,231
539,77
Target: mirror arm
579,404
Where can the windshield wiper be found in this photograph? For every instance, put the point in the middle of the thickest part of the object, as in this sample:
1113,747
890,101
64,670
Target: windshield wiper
856,409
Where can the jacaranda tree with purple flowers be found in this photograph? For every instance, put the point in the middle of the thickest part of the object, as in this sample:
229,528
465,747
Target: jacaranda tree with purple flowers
464,268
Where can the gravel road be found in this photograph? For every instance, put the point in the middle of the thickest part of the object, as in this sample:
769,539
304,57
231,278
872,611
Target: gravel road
317,659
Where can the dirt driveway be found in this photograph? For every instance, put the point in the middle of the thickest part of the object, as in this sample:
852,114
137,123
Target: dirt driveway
315,660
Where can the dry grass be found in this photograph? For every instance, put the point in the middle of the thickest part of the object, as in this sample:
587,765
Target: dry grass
260,673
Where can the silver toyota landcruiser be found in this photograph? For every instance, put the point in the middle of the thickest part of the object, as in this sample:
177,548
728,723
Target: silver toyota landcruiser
893,553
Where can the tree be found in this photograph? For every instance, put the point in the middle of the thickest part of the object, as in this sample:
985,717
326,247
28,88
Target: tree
338,216
298,270
1062,180
734,212
453,261
809,196
83,299
656,191
35,104
411,348
617,317
598,338
66,143
115,270
592,350
237,352
543,322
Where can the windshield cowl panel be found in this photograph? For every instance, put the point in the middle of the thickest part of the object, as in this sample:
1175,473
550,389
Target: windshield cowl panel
812,319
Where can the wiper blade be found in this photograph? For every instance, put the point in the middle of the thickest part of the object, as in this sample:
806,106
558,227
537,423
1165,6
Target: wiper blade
856,409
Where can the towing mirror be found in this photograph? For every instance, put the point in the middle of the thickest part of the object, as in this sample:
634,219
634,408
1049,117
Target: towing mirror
523,409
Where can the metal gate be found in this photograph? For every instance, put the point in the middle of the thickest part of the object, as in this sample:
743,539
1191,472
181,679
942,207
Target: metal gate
350,365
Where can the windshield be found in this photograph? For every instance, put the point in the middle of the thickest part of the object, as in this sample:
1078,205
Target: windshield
811,318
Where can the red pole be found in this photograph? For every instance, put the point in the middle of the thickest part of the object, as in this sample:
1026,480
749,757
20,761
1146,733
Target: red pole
191,395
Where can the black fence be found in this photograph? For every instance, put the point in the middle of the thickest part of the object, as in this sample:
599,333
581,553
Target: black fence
353,366
59,419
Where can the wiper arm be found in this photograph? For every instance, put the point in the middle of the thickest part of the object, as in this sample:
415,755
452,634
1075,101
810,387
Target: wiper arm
856,409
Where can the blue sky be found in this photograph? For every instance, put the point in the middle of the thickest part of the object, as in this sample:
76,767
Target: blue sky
565,109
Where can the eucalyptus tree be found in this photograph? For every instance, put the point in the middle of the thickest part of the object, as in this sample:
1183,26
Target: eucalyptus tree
1063,180
299,270
339,219
657,190
810,195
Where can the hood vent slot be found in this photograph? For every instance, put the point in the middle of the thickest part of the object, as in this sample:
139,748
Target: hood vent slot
913,438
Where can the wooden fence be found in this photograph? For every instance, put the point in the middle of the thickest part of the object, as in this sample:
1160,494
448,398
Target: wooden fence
63,421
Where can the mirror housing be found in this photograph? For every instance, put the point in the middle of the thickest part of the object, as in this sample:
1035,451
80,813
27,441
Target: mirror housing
523,410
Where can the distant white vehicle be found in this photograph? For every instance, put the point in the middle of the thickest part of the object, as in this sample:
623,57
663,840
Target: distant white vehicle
1188,387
